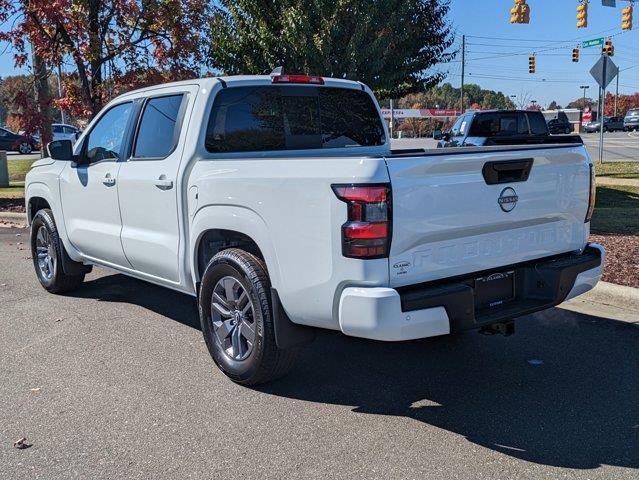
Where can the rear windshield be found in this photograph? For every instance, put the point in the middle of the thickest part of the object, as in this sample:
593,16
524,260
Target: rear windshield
504,124
496,124
261,118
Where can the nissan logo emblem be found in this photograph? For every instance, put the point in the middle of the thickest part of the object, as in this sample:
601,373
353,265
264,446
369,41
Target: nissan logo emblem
508,199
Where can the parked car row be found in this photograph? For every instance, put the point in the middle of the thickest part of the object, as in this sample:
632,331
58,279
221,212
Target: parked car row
25,144
610,124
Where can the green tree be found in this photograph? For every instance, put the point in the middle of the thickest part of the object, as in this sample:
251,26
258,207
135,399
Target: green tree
448,97
391,45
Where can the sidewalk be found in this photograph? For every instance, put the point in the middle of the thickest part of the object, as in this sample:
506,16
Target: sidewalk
608,300
622,182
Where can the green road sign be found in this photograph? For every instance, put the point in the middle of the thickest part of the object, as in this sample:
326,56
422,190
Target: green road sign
595,42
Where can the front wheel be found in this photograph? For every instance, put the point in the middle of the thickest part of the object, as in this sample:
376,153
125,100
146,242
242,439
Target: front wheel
237,319
47,250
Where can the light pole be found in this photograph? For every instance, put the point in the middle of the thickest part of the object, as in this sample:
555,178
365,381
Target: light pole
534,103
584,88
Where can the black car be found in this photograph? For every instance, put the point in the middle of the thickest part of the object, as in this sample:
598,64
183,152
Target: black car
495,127
558,126
14,142
611,124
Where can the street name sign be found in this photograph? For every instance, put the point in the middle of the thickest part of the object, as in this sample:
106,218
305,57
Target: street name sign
604,71
595,42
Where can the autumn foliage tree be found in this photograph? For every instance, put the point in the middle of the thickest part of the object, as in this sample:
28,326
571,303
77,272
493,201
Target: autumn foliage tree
624,103
103,41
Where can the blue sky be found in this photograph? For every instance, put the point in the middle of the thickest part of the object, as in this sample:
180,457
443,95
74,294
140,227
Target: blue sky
497,52
500,62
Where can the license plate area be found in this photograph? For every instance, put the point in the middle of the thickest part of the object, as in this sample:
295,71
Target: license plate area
494,290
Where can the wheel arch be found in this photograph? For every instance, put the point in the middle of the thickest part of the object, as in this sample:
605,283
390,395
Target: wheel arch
38,195
215,228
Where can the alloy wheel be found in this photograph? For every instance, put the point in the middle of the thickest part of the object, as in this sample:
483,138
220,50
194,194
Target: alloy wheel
25,148
233,318
45,253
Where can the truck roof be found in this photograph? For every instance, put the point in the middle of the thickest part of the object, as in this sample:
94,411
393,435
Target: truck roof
210,82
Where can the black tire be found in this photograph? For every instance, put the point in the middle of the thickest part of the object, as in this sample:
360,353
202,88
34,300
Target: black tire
568,131
265,361
56,281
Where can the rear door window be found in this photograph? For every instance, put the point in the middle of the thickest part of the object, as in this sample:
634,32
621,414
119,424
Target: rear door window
537,124
159,127
263,118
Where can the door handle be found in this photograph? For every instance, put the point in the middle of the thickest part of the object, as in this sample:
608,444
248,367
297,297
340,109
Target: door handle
164,183
108,180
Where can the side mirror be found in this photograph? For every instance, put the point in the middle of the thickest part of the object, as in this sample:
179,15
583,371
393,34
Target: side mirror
437,135
61,150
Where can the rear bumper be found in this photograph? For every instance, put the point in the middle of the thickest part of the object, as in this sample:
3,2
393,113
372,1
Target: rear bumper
440,308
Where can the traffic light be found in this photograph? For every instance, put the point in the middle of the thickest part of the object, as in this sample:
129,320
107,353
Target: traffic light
520,13
575,54
532,64
582,14
608,48
626,17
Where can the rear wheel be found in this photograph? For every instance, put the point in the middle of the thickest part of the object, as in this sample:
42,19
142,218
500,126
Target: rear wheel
237,319
47,250
25,148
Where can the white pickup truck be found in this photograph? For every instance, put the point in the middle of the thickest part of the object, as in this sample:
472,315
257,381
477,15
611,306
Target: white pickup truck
278,202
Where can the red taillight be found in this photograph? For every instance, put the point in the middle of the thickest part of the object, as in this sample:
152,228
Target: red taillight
312,79
366,234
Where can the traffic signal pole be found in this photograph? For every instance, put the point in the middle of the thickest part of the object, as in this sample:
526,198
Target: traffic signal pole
463,72
602,108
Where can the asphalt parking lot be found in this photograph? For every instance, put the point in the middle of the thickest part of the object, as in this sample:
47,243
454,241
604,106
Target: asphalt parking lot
115,381
618,146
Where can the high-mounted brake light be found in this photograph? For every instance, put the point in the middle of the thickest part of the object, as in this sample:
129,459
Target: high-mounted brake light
312,79
593,194
367,232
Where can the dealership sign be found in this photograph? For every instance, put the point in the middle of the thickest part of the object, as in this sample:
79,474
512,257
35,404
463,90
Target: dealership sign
419,113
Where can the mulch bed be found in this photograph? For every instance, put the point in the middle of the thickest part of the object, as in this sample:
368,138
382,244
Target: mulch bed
12,205
622,258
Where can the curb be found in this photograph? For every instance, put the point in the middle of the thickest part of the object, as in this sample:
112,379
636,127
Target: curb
13,217
608,300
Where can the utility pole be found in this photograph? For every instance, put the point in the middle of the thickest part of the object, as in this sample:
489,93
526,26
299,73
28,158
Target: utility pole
463,71
617,94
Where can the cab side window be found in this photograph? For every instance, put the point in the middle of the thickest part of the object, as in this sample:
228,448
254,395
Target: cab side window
465,123
454,131
104,142
159,127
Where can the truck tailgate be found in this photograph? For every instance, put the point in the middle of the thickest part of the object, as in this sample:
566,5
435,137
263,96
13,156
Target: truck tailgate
467,211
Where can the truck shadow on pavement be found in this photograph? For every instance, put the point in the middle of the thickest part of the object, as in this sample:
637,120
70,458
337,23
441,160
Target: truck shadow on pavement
563,391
